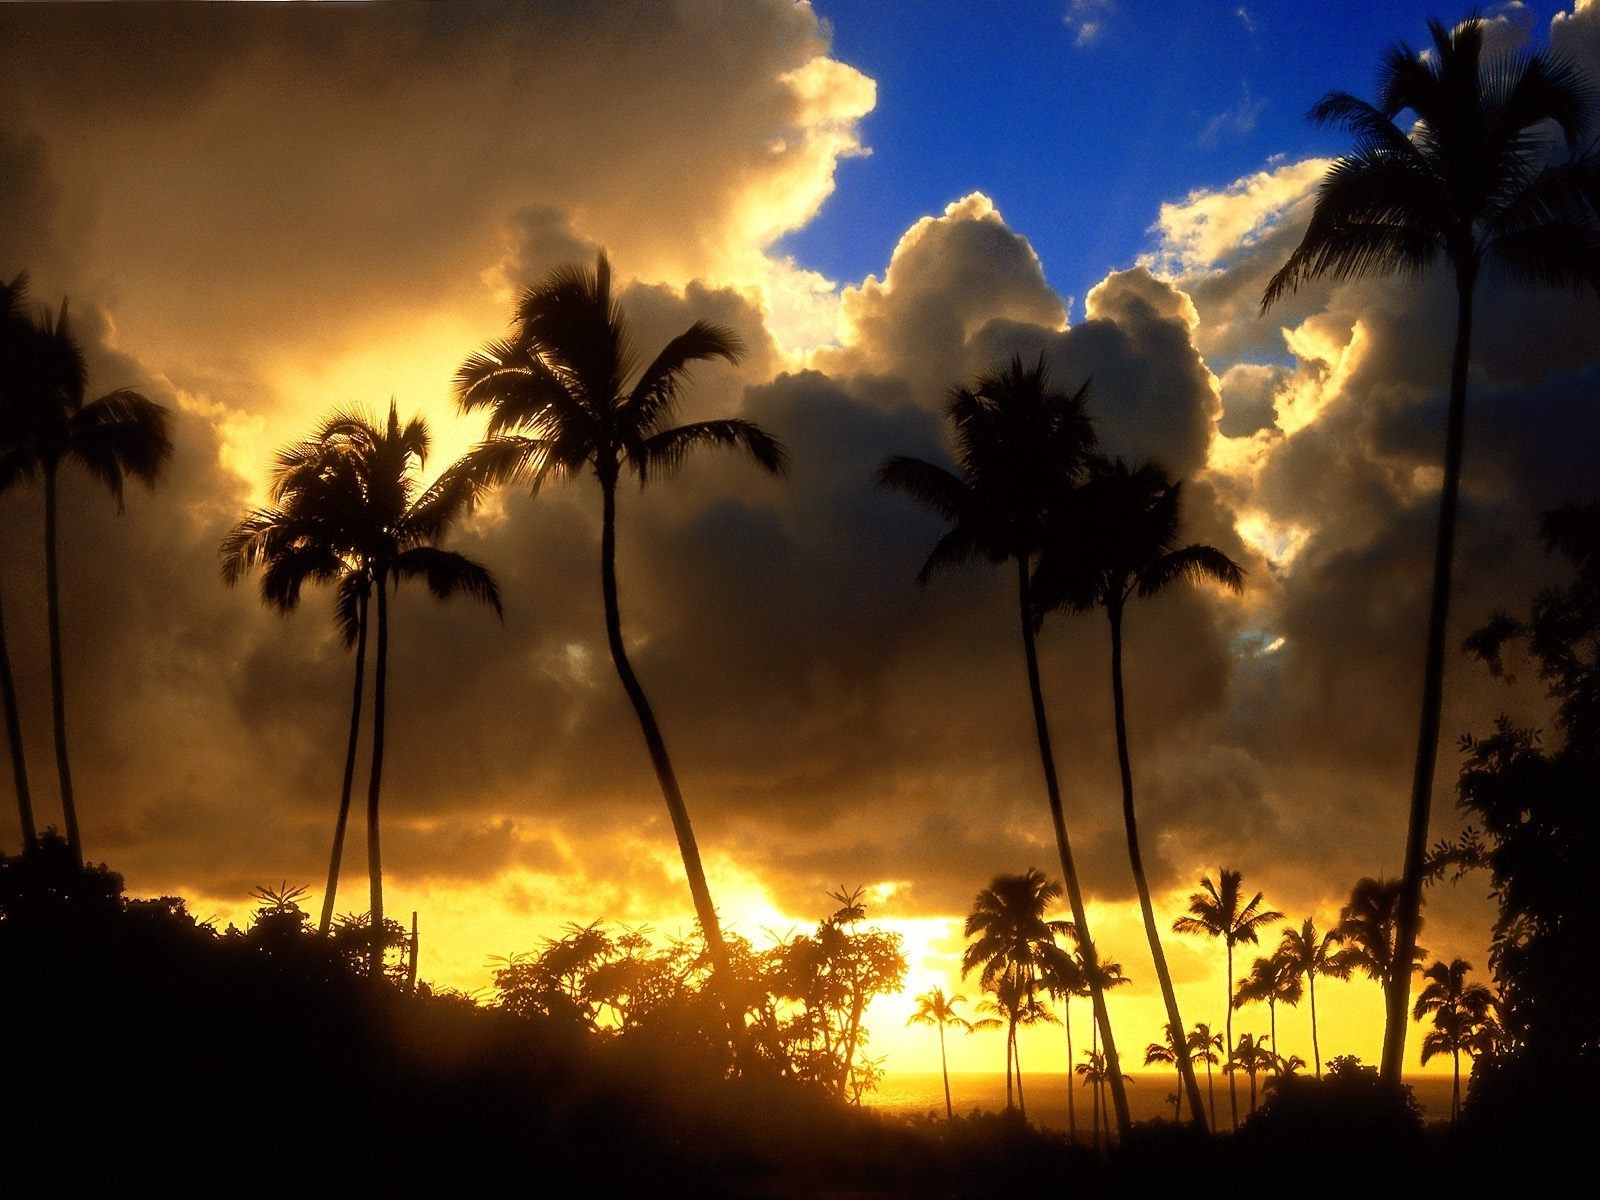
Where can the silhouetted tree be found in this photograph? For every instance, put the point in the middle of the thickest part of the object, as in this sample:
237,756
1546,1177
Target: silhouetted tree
14,468
1020,444
1062,974
1310,954
1204,1046
560,401
1252,1057
1217,912
1461,1015
1114,540
1273,980
50,423
1369,925
936,1009
1167,1053
1475,180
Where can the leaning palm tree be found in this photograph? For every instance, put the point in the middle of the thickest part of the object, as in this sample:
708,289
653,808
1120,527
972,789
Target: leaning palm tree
936,1009
1205,1046
310,532
1474,179
1272,980
1167,1054
380,517
1020,444
1310,954
1460,1012
1114,540
14,468
1216,911
564,396
51,423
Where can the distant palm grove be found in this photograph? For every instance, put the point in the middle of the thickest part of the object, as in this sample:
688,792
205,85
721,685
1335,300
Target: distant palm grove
1481,165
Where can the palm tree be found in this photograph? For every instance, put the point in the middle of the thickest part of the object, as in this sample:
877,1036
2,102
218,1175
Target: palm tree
1104,975
1460,1011
1274,980
311,533
1217,912
1252,1056
1369,926
1062,974
118,435
1095,1071
1115,539
937,1009
1204,1046
1020,443
14,468
1474,180
560,402
380,519
1168,1054
1310,954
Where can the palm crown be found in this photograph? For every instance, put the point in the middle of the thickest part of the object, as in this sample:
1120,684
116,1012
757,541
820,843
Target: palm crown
1216,911
1007,928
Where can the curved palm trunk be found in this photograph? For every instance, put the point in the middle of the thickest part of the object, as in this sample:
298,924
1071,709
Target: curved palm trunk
1011,1037
1316,1052
19,762
58,704
944,1069
688,848
1080,918
380,679
1187,1083
1398,987
1072,1103
1016,1054
337,856
1233,1085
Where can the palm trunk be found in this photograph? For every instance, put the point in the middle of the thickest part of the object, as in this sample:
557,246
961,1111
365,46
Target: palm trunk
1316,1052
1080,918
944,1069
411,956
1094,1084
337,856
19,762
1398,987
1011,1033
1177,1106
1455,1087
1186,1079
699,890
1252,1091
1272,1034
380,679
1072,1103
1233,1085
1211,1092
1016,1053
58,704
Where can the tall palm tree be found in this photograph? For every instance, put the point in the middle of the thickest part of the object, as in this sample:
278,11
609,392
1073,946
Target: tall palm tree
1252,1056
15,467
936,1009
1474,180
1205,1046
1216,911
380,517
1114,540
118,435
1310,954
1460,1012
1105,974
564,396
1061,971
1168,1054
1020,444
311,532
1272,980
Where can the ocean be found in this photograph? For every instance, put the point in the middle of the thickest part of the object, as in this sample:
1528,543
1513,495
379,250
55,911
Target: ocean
910,1092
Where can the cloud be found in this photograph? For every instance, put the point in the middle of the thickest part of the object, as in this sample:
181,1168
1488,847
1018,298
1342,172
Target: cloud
1236,121
1088,20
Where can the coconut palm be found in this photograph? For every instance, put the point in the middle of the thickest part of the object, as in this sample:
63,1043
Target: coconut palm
1112,541
1013,1002
1062,974
1095,1072
1167,1054
1206,1047
936,1009
1461,1011
1473,179
1272,980
310,532
14,468
1216,911
1104,975
1251,1055
1310,954
379,528
119,435
1369,926
1020,443
564,396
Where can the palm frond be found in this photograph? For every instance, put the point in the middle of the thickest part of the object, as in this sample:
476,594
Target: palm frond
654,394
928,484
121,434
446,572
664,452
1196,563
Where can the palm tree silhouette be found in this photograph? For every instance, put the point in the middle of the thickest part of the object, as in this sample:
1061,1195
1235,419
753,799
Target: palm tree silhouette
1016,1003
1369,926
560,401
14,468
378,528
1310,954
1061,971
1272,980
1252,1056
936,1009
1460,1010
1105,975
1115,540
1473,181
1009,942
1204,1046
1020,444
1167,1053
118,435
1217,912
1095,1071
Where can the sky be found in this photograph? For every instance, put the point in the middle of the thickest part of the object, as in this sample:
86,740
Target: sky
261,212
